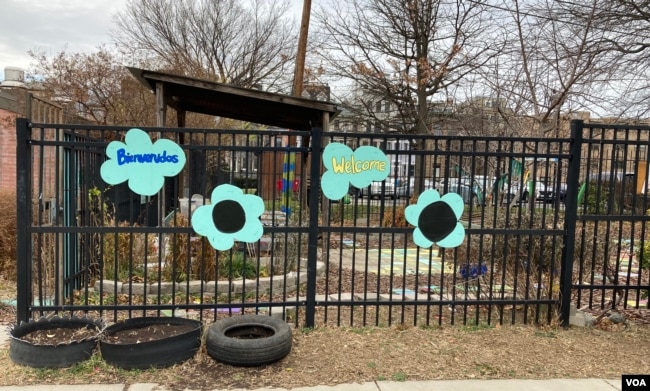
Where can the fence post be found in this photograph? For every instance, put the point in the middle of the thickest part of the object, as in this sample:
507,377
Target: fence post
23,215
570,218
314,208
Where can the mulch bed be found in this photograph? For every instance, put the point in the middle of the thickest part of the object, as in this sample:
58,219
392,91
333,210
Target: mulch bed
57,336
148,333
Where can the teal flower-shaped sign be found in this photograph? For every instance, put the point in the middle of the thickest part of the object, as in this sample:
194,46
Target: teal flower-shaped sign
345,167
436,219
231,216
143,163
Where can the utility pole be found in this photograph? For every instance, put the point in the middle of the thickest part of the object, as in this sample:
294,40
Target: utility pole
302,49
298,78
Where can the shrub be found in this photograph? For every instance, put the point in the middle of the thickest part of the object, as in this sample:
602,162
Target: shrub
188,257
119,255
123,253
643,255
605,194
8,235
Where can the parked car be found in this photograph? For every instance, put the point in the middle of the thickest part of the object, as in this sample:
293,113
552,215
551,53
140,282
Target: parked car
471,194
377,189
562,192
544,193
407,189
485,182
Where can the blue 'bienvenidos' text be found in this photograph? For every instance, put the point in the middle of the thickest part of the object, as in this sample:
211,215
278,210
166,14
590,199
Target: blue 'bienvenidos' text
124,157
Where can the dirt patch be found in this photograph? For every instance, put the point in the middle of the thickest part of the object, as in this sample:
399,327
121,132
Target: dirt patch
59,336
334,355
148,333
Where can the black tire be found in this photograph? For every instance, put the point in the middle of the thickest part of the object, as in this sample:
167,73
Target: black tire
26,353
160,353
249,340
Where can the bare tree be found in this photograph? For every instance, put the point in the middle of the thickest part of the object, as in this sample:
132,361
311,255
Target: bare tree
552,64
93,86
627,38
96,87
407,53
224,41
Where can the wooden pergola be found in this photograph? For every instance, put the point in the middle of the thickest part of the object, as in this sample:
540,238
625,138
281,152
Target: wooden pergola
186,94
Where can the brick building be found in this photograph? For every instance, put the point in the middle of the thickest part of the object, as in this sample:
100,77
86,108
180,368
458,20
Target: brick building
17,101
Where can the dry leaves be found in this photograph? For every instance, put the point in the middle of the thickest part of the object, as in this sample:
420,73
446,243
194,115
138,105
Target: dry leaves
331,355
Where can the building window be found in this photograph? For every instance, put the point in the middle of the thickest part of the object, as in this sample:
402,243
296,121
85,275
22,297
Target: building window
619,165
378,106
643,153
386,107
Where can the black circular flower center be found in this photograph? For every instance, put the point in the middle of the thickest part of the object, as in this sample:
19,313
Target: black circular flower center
437,220
228,216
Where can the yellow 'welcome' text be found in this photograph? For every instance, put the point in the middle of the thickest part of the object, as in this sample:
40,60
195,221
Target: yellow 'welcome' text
353,166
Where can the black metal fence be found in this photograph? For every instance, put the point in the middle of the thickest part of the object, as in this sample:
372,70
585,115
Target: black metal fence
534,234
612,265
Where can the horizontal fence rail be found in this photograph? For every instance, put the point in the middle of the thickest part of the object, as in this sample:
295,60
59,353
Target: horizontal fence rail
102,249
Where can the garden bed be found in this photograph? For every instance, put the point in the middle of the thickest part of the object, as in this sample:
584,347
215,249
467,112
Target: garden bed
289,282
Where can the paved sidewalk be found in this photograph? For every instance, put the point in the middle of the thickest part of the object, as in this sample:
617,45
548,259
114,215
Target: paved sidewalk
443,385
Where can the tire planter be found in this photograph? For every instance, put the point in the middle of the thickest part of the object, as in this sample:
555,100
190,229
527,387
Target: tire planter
158,353
249,340
56,355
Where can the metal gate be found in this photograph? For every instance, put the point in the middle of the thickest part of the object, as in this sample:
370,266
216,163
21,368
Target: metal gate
611,266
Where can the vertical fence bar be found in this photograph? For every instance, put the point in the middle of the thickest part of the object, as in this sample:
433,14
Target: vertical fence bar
314,207
570,217
23,213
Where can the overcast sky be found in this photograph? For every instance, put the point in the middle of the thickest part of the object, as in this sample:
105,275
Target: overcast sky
56,25
53,26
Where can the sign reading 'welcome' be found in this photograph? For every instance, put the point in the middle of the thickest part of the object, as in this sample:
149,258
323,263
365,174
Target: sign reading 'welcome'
345,167
352,166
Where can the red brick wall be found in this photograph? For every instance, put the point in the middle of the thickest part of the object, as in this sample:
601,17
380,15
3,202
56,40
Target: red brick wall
8,158
7,150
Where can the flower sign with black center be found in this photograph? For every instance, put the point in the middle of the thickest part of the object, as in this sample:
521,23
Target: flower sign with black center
436,219
345,167
143,163
231,216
